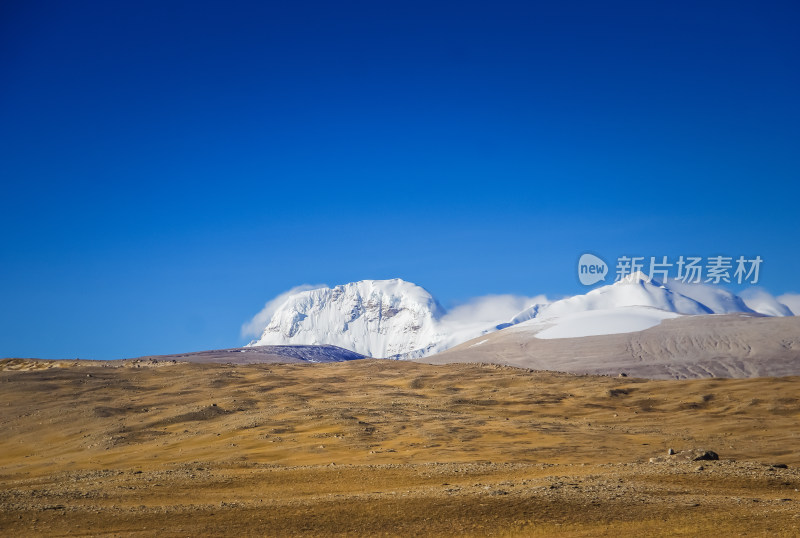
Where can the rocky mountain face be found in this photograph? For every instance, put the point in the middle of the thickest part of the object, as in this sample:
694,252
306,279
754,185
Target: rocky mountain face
377,318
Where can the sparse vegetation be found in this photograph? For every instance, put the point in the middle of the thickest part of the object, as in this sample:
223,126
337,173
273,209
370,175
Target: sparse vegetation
391,448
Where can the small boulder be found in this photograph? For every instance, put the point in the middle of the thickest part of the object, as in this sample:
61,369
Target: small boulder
708,455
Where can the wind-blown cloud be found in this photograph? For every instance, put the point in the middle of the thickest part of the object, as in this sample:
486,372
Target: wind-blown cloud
792,300
489,309
764,302
481,315
256,326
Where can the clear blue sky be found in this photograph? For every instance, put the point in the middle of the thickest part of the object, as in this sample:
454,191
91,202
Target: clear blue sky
168,167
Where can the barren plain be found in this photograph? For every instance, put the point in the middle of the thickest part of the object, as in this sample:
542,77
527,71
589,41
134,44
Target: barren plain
386,448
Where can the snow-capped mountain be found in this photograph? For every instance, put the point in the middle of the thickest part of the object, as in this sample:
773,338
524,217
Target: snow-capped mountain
634,290
636,303
398,319
633,303
377,318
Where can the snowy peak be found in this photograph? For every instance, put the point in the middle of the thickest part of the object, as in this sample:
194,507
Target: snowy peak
634,303
377,318
637,277
634,290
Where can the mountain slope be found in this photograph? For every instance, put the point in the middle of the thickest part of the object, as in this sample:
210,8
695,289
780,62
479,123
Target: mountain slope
604,321
732,345
634,303
258,355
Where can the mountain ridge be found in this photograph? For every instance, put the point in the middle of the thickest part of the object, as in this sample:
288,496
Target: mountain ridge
401,320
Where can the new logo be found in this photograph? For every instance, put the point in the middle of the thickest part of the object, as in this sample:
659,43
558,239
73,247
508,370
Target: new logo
591,269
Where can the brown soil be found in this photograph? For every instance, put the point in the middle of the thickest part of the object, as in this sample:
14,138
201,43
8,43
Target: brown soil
390,448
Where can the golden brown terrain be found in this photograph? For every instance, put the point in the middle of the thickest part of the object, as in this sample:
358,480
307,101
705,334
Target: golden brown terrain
390,448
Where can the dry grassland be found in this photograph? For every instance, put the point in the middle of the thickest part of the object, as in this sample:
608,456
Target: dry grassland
390,448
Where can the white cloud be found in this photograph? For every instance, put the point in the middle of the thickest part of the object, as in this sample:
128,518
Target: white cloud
481,315
256,326
792,300
764,302
489,309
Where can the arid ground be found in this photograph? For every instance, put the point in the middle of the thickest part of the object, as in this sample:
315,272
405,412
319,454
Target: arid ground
374,448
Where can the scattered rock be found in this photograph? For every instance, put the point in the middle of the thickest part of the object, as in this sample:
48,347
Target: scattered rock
685,456
708,455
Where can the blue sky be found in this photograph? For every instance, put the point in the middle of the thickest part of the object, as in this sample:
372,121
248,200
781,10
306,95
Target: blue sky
168,167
